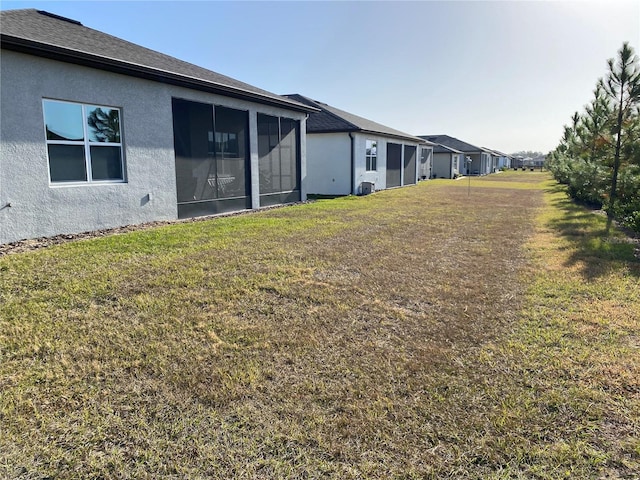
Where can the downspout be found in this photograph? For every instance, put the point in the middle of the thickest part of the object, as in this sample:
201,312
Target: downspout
304,188
353,167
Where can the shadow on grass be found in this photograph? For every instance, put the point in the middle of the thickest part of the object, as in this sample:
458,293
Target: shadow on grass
317,196
585,230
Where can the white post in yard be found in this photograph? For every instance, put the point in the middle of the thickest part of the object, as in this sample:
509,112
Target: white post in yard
468,160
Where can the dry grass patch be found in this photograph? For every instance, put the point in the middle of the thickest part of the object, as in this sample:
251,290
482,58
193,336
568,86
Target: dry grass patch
370,337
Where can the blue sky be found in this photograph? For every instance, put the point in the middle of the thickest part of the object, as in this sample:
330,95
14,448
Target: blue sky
505,75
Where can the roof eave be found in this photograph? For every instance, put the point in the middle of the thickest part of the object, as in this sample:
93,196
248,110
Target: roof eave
334,130
401,137
140,71
369,132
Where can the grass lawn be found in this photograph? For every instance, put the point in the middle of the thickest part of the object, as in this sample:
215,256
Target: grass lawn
422,332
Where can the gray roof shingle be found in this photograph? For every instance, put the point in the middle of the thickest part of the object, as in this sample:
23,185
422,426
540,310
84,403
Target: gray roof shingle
454,143
331,119
437,148
498,152
45,34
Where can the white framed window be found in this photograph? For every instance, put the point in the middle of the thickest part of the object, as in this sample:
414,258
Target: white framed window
84,142
372,155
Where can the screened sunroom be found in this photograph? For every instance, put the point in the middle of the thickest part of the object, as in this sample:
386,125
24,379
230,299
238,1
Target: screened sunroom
213,159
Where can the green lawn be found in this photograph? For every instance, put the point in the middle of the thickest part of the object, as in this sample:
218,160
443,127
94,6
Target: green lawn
429,331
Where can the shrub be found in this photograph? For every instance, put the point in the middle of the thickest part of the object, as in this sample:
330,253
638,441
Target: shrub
588,182
627,206
560,167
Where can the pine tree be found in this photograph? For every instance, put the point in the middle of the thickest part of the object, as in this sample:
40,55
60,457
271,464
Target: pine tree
622,85
595,121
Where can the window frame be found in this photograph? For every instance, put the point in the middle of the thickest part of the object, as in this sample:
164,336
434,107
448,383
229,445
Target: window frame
371,159
86,143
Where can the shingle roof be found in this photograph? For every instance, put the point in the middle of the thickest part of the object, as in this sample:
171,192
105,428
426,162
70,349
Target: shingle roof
331,119
500,154
45,34
444,149
454,143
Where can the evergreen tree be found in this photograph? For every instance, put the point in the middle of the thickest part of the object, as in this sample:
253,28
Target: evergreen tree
623,88
597,138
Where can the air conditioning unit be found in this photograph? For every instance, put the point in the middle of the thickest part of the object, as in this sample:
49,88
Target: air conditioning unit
367,187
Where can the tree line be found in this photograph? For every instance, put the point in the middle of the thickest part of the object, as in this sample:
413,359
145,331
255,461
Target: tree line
598,157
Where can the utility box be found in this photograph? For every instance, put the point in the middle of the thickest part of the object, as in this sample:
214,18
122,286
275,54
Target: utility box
367,187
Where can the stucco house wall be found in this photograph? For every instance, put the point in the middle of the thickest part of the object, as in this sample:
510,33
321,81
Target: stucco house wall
329,164
40,208
377,177
488,163
442,165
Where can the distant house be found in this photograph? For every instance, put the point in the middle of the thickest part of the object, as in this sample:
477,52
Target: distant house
482,162
518,161
495,161
447,162
97,132
499,160
504,160
538,162
348,154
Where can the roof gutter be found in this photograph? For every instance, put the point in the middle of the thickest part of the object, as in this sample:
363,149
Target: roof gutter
140,71
399,137
371,132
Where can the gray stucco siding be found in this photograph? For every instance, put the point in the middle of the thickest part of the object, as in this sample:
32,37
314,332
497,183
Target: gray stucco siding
442,165
378,177
40,208
329,162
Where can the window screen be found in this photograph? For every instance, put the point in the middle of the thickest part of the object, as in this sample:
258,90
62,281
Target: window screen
211,145
409,164
279,159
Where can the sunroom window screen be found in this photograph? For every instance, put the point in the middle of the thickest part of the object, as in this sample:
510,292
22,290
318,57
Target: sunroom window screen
212,158
279,159
232,152
409,164
269,154
288,154
394,163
